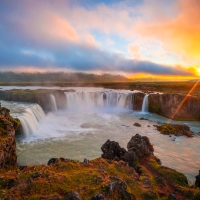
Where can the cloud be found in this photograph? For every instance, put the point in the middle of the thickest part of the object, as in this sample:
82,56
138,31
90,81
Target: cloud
82,58
47,34
180,34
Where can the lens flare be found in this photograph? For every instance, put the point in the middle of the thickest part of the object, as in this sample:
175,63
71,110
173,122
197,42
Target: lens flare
183,101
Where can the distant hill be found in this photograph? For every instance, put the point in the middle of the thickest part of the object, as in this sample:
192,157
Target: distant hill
6,77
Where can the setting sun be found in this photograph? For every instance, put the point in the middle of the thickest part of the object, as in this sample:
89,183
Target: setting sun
198,71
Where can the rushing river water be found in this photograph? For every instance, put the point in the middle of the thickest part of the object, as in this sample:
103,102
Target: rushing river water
89,120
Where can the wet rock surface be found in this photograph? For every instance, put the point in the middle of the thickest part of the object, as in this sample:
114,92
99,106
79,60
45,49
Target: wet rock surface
137,124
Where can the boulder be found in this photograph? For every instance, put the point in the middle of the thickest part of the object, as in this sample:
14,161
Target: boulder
197,182
138,148
140,145
112,151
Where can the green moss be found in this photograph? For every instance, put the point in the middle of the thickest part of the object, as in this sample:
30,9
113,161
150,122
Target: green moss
175,129
173,176
149,196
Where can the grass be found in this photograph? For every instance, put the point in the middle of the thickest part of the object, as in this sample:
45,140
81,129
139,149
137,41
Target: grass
63,178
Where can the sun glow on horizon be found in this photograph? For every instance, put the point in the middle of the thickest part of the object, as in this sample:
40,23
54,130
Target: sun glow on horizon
198,71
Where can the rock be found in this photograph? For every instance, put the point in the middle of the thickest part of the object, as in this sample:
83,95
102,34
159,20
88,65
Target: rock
140,145
52,161
22,167
36,175
137,124
138,148
120,188
73,196
86,161
166,104
175,129
97,197
9,183
8,128
146,183
112,150
138,170
131,158
142,118
197,182
171,197
158,160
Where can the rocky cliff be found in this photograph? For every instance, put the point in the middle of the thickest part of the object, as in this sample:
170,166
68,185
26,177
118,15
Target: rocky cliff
175,106
41,97
137,101
8,126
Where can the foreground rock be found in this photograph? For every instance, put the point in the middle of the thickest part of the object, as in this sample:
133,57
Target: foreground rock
175,129
138,147
8,126
197,182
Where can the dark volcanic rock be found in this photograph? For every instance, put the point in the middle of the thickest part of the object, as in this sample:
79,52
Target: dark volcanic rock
73,196
97,197
138,148
197,182
140,145
52,161
137,124
112,151
120,188
171,197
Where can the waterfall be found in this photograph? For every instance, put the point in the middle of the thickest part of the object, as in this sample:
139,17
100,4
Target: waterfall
145,104
87,100
30,118
53,103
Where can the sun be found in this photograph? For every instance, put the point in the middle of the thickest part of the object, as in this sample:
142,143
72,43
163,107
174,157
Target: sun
198,71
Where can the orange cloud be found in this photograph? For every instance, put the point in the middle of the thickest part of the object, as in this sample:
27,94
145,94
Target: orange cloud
180,35
134,50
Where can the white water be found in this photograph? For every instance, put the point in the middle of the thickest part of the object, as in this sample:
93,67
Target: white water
29,115
89,120
53,103
145,104
92,100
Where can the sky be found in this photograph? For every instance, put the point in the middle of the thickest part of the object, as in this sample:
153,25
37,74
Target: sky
140,39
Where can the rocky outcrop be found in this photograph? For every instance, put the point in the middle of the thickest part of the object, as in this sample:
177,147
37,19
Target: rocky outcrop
175,106
138,147
112,151
197,182
174,129
8,126
137,101
41,97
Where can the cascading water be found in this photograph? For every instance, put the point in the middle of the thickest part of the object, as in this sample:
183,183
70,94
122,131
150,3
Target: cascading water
145,104
87,100
53,103
29,115
30,119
